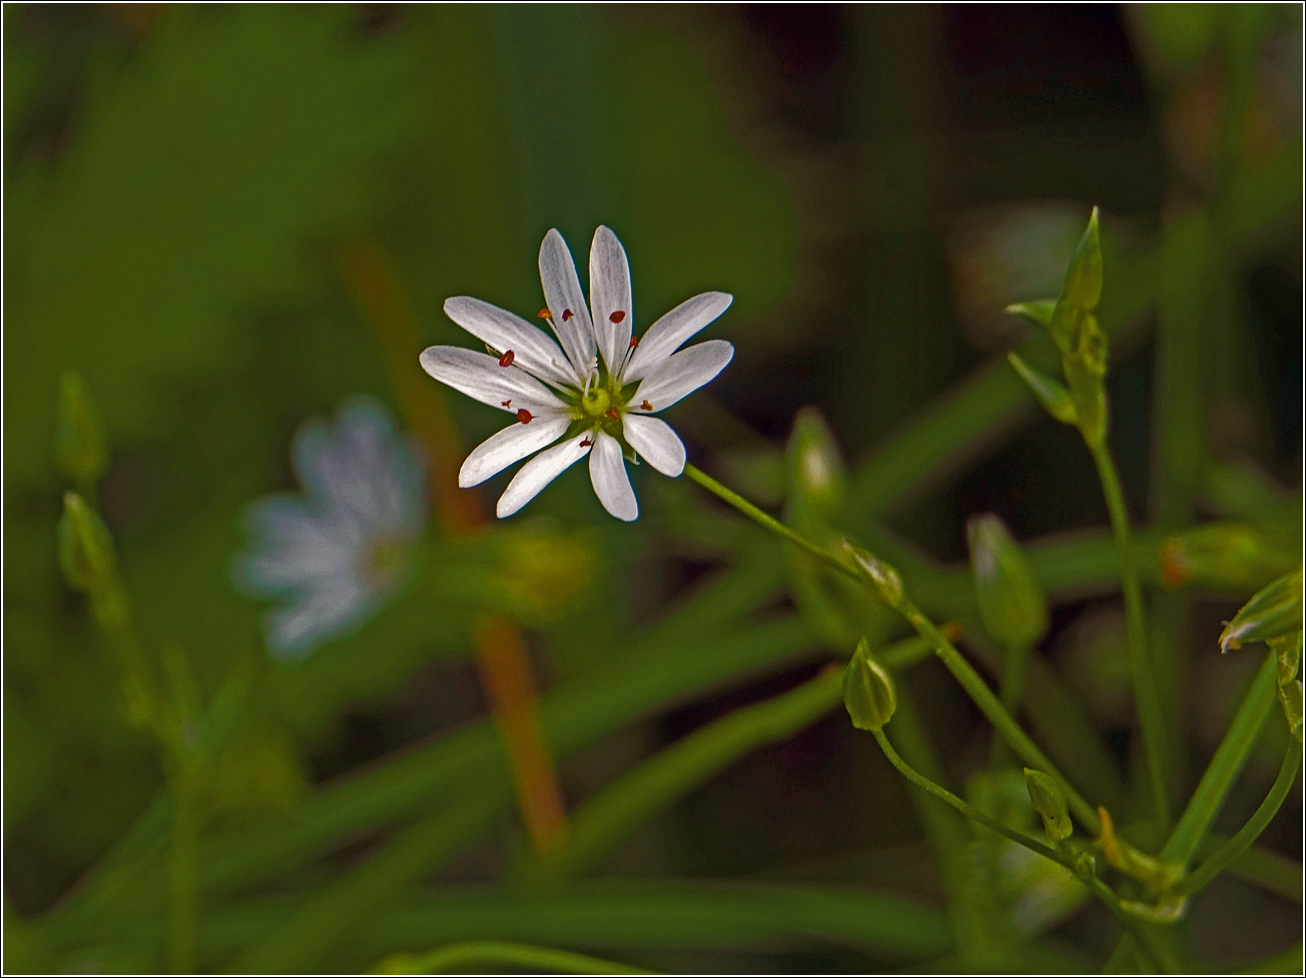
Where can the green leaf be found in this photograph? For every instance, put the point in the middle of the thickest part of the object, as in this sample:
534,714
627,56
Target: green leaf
1038,313
1273,611
1083,285
1053,396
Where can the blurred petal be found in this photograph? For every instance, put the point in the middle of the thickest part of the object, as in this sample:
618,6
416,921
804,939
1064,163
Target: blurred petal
656,441
608,475
510,445
533,350
571,316
610,297
293,632
670,332
479,375
681,374
540,471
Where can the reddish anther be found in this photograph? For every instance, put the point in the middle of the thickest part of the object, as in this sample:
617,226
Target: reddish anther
645,406
586,443
507,359
634,342
612,413
567,314
507,403
524,416
545,314
617,316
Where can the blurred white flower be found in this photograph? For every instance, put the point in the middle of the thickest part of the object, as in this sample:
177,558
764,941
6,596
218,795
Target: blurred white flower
597,392
336,554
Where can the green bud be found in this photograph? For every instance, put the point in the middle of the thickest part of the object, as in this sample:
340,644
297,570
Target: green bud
85,547
1064,325
1084,277
888,583
1050,802
1053,396
1085,368
79,436
1011,603
817,475
1038,313
868,690
1274,611
1221,555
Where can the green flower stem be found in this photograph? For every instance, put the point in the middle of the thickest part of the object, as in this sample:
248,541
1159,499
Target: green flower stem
992,708
970,811
1225,766
463,957
183,876
970,680
1147,700
1248,834
772,524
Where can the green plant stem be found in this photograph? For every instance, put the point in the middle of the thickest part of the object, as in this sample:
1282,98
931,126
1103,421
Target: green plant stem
1225,766
183,876
970,680
1249,833
970,811
458,957
1151,717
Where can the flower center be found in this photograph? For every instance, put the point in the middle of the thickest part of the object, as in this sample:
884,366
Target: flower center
384,563
596,402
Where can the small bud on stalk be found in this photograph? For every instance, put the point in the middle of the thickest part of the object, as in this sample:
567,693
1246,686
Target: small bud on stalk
868,690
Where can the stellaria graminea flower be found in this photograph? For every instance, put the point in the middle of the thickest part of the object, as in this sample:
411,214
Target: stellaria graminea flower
337,554
597,391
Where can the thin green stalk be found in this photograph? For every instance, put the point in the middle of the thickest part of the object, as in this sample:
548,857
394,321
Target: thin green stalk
1224,767
459,958
183,877
1151,717
1249,833
970,811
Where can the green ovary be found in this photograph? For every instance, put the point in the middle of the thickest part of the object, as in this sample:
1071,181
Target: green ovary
596,402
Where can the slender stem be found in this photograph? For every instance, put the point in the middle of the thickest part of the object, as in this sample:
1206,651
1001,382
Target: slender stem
958,666
1225,766
183,872
1248,834
457,957
1147,700
943,794
770,522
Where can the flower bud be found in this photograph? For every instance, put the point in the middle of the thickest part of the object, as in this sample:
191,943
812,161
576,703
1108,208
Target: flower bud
817,475
85,547
1050,802
1084,277
1273,611
1053,396
888,583
79,436
1221,555
1011,603
868,690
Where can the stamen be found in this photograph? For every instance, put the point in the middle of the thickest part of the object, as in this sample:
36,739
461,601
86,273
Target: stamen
586,442
524,416
612,413
634,342
545,314
567,314
507,359
644,405
507,403
617,316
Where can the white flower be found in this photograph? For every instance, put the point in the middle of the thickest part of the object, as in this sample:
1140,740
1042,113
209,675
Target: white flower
337,554
599,405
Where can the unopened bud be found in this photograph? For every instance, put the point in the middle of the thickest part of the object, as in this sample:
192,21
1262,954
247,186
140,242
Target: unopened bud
817,475
1054,397
1084,277
1273,611
1050,802
79,436
1222,555
888,583
1011,603
868,690
85,547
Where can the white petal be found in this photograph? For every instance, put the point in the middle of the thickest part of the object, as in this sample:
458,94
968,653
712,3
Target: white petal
670,332
540,471
656,441
293,632
533,350
479,375
682,374
291,548
608,475
510,445
571,317
610,297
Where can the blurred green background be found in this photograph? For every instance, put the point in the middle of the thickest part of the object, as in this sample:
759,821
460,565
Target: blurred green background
872,184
